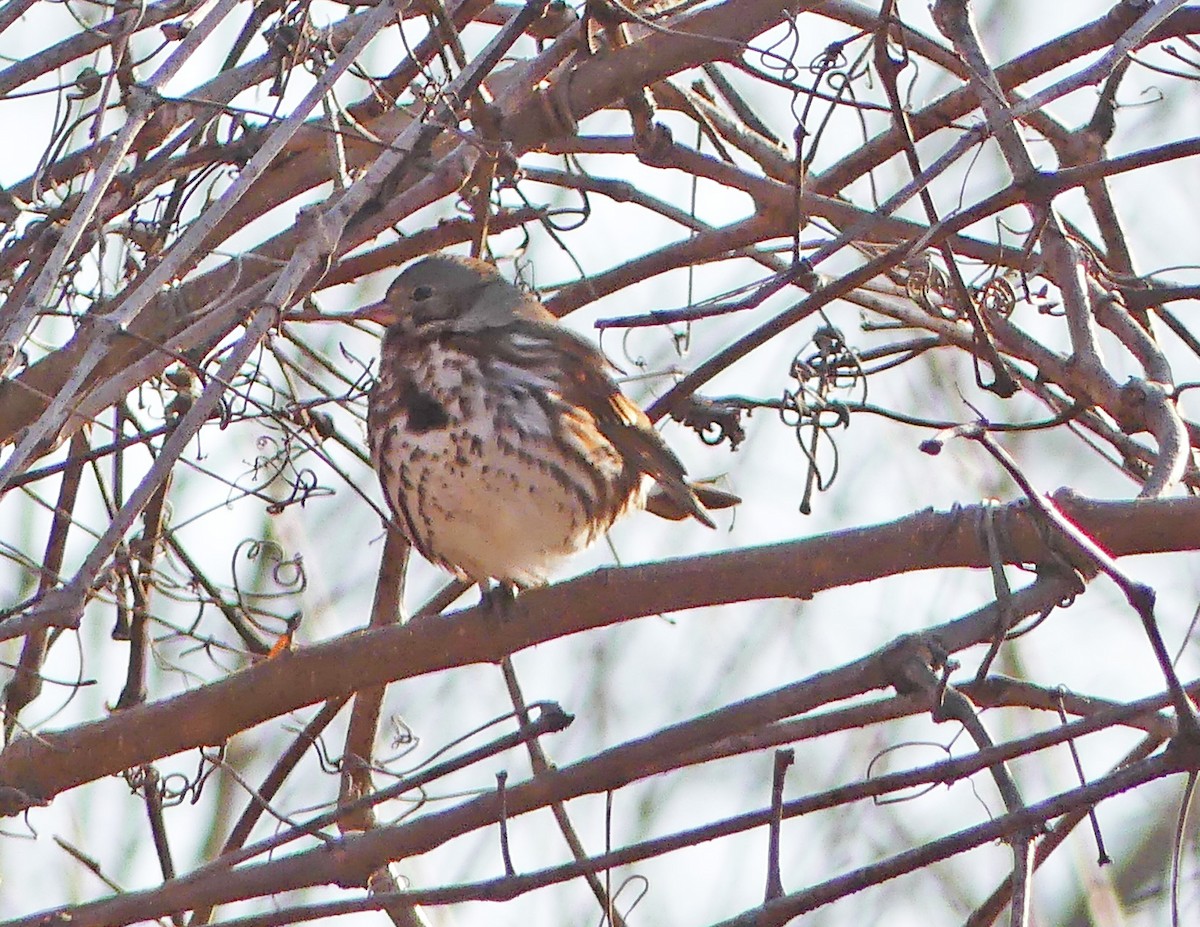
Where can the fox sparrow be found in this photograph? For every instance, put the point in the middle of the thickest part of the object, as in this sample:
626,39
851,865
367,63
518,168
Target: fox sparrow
500,439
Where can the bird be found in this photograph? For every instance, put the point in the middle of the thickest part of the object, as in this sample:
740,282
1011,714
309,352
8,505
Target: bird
501,440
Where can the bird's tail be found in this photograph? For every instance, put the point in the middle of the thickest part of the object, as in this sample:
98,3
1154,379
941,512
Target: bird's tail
689,500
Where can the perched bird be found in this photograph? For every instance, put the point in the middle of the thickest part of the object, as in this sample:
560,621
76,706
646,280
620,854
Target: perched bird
501,441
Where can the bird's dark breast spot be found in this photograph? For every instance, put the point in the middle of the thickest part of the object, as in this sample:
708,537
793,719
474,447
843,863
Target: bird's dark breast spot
422,412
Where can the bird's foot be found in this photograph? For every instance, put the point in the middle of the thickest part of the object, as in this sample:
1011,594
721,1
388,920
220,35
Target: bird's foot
500,600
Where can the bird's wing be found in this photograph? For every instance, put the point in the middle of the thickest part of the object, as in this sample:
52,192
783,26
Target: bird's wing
585,382
592,414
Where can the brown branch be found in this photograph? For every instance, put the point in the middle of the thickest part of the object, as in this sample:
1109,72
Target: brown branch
42,767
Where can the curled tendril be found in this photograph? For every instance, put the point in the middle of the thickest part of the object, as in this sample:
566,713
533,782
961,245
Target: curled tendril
305,485
286,573
276,462
812,410
174,788
782,64
207,765
997,296
548,215
832,57
290,575
330,765
170,790
928,286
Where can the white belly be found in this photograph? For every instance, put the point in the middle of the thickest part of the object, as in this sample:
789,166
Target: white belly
506,518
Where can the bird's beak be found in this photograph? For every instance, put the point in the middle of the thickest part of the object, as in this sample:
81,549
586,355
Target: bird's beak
382,313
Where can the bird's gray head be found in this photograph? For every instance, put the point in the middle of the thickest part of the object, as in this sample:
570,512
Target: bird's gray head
444,292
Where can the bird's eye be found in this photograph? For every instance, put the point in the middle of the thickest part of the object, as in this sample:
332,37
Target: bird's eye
422,293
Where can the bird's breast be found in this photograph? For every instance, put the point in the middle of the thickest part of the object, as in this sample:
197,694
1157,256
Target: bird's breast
491,473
